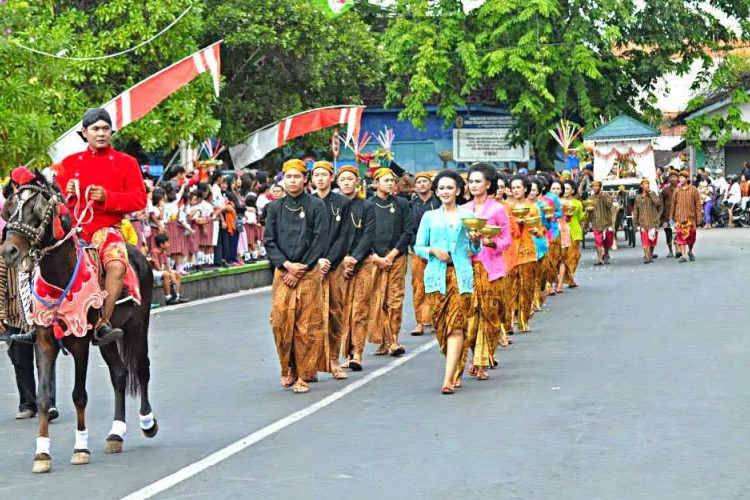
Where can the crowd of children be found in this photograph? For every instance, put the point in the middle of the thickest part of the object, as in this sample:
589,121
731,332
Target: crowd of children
200,222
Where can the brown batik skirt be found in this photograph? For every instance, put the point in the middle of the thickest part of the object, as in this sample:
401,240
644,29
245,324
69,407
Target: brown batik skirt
335,287
571,257
387,303
485,325
297,323
555,257
450,311
421,304
526,285
357,310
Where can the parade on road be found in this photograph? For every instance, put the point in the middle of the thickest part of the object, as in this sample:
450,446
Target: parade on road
351,257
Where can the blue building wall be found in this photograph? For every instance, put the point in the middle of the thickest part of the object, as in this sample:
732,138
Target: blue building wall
416,150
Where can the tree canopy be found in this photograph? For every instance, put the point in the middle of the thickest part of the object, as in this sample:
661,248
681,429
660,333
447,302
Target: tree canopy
541,59
547,59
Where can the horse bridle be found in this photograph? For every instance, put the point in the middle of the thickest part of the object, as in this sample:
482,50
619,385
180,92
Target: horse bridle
34,235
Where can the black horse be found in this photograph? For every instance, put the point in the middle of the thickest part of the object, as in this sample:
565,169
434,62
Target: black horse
34,238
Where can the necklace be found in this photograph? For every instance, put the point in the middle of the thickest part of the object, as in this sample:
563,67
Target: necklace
358,225
301,211
389,207
336,214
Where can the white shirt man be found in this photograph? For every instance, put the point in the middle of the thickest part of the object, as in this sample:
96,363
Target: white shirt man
733,194
720,184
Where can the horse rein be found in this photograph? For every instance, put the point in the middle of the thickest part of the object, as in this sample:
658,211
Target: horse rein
34,235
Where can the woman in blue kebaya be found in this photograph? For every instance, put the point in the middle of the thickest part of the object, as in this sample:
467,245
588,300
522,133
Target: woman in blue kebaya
443,240
540,240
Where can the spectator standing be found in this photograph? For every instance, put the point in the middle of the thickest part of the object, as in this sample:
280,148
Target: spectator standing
744,190
162,272
708,197
732,197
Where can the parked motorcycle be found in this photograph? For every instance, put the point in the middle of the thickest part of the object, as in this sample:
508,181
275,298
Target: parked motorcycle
740,217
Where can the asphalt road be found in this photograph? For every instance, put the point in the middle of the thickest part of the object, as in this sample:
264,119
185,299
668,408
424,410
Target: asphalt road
632,386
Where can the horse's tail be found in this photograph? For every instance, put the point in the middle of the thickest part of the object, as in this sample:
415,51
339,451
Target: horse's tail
135,341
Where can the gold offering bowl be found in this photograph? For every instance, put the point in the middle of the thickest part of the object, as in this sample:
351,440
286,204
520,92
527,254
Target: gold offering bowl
587,203
532,221
549,210
520,211
474,223
490,231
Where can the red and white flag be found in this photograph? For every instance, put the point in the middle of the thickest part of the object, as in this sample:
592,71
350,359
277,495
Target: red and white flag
137,101
264,140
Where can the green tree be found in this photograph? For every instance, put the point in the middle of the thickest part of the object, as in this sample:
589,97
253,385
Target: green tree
51,94
547,59
282,58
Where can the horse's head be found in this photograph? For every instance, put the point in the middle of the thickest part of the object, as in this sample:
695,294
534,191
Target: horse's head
38,219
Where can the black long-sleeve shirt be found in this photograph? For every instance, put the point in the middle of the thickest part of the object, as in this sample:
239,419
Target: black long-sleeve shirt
418,209
296,230
359,229
394,225
336,208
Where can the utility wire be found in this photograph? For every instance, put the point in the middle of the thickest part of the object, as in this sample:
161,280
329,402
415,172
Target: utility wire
60,55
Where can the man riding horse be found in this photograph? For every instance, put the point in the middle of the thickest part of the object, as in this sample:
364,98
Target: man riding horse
111,182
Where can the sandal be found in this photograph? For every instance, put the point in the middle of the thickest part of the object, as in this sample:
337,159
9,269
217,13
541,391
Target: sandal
398,351
382,351
458,384
417,333
354,365
559,289
483,375
473,370
448,390
339,375
573,285
301,387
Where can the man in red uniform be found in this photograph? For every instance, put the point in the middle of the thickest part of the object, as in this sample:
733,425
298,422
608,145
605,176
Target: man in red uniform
113,181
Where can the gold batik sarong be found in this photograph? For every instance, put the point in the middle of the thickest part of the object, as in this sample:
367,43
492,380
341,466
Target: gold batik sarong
450,311
298,325
541,271
484,330
387,302
510,299
571,258
527,282
555,259
421,304
357,309
334,301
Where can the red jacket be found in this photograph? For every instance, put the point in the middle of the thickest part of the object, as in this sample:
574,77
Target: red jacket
118,173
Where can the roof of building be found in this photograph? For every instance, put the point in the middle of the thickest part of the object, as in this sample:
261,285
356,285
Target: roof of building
621,127
715,100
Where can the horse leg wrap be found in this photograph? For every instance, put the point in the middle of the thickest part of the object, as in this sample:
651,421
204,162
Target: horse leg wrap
147,421
42,445
82,440
118,428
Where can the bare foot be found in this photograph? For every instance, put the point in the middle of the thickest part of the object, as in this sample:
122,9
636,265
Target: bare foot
301,387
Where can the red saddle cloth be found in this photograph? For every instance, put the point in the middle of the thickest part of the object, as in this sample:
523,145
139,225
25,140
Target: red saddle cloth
70,316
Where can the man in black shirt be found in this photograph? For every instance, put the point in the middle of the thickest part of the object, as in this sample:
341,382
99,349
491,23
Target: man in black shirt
423,201
393,234
359,268
334,281
295,238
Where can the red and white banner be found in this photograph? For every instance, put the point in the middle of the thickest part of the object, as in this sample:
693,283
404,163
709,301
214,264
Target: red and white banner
264,140
137,101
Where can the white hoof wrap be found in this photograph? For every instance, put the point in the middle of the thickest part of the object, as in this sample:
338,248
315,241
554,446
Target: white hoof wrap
82,440
118,428
147,421
42,445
